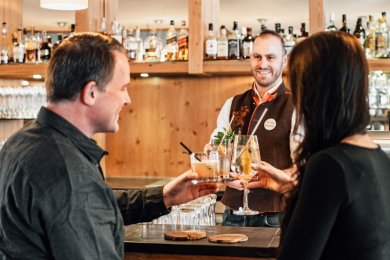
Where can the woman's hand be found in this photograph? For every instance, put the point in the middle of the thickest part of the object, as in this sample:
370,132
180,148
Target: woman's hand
269,177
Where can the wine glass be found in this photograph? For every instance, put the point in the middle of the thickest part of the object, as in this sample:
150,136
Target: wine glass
245,152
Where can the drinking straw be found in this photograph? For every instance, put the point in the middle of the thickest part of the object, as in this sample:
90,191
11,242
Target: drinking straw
254,130
258,123
223,137
189,151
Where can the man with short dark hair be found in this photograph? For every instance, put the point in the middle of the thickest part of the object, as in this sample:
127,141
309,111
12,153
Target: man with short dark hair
54,203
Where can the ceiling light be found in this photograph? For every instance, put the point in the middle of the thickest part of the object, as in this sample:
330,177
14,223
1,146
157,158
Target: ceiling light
37,76
144,75
24,83
64,4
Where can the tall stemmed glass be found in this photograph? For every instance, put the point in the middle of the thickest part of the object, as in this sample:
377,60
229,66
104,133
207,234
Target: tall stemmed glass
245,152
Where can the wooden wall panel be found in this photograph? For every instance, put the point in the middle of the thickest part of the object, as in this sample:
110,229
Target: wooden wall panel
90,18
200,14
316,16
9,127
164,112
11,13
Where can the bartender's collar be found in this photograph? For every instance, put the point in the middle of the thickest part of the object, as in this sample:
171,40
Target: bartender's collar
269,92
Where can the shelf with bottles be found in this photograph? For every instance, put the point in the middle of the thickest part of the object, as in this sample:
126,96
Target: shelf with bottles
242,66
213,67
372,33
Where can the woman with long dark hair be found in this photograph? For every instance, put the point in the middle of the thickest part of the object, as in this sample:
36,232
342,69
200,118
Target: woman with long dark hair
340,208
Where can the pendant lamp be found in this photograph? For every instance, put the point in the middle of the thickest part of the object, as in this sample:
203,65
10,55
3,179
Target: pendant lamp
64,4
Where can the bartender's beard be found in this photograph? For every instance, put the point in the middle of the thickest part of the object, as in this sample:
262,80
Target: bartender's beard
267,77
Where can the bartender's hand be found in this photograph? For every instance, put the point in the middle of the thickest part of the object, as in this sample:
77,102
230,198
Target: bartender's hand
235,183
269,177
181,189
207,148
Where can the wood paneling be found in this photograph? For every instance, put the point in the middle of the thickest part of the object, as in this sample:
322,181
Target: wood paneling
90,18
164,112
166,68
196,36
22,71
152,256
316,16
11,13
9,127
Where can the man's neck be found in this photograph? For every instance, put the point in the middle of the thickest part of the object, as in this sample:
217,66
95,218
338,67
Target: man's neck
262,90
73,114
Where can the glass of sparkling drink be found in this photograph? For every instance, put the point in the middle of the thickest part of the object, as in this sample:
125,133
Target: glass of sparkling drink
245,152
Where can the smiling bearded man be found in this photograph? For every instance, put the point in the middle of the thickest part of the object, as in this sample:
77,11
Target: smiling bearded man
267,60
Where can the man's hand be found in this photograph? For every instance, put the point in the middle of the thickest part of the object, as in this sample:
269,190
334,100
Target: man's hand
282,181
181,189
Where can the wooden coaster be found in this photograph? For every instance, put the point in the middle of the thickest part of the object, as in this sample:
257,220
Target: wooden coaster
185,235
228,238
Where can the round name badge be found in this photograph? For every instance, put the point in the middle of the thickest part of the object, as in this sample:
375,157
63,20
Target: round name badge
270,124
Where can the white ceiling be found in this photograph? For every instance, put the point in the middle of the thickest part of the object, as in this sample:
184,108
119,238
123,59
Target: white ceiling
246,12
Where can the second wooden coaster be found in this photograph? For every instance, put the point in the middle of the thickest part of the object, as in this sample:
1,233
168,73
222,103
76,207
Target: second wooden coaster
228,238
185,235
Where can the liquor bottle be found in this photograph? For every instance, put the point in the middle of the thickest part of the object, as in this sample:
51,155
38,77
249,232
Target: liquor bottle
242,37
140,45
344,28
57,42
131,45
303,34
182,42
103,29
247,43
45,50
277,28
4,46
234,43
383,48
171,42
370,37
38,42
290,41
19,47
331,25
263,28
72,30
152,46
116,31
222,44
31,47
282,34
124,35
211,44
359,32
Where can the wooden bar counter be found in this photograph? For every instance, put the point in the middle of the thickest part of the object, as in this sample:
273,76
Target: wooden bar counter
146,241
